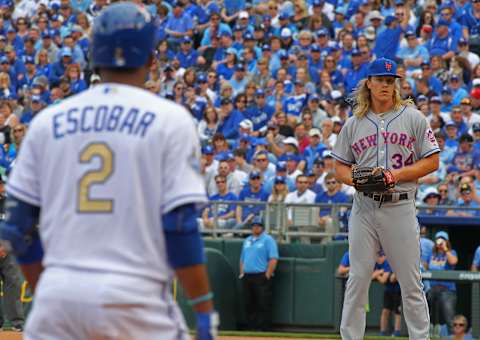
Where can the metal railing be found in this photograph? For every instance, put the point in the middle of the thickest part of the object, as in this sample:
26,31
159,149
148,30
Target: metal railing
299,222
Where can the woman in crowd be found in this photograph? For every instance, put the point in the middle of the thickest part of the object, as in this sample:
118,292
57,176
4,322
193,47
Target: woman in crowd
279,190
442,296
73,74
460,328
208,125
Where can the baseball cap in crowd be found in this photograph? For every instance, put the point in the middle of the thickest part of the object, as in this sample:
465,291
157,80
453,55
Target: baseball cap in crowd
231,50
3,38
202,78
462,41
66,52
290,141
246,124
314,132
283,55
29,60
248,36
337,119
313,97
243,15
476,82
322,32
443,22
465,188
94,78
422,98
466,101
450,123
186,40
266,47
315,48
465,138
375,15
370,33
383,67
356,52
435,99
272,126
446,90
255,174
289,156
317,3
36,99
475,93
207,150
327,154
454,77
319,161
389,19
260,93
476,127
410,33
225,101
239,67
257,221
283,16
431,193
280,179
442,234
286,32
281,166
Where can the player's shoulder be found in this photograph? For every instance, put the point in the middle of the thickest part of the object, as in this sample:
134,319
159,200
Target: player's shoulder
411,111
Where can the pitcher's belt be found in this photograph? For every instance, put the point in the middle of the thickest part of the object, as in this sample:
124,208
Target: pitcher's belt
393,197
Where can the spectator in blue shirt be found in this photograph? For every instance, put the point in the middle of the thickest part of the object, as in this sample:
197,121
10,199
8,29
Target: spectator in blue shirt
388,40
466,200
258,261
392,301
344,266
414,54
224,212
331,195
315,149
458,92
187,56
252,192
260,112
230,120
442,297
443,43
465,158
357,72
179,24
426,246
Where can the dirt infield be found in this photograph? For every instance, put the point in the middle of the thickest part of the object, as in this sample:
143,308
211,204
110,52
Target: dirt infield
10,336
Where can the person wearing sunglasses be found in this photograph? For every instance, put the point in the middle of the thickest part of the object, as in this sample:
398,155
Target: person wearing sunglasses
460,329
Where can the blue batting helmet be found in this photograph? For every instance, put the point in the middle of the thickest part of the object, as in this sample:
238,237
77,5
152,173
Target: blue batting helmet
123,36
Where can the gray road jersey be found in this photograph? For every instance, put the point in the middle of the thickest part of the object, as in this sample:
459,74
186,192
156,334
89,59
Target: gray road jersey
391,140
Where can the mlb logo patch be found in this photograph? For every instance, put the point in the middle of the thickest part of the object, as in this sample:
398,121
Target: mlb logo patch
388,66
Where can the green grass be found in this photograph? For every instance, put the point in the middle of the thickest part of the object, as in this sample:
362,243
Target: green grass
299,335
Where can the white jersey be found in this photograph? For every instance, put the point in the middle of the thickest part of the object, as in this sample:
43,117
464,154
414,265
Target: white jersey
104,166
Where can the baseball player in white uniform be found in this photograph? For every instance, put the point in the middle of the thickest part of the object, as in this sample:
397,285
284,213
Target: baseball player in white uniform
111,177
390,133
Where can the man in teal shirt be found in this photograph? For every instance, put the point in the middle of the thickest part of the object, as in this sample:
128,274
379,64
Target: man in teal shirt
257,264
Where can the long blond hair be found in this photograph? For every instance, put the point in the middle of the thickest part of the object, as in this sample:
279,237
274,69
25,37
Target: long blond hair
363,100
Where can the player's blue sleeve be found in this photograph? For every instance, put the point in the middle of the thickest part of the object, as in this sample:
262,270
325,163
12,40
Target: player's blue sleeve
182,237
345,260
20,230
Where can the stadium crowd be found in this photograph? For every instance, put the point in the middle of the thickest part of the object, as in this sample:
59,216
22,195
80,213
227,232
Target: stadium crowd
268,83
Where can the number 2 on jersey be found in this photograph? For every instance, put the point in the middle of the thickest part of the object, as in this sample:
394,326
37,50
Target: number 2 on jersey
86,204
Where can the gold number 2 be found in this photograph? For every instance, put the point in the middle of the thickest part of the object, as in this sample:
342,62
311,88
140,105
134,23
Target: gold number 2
96,176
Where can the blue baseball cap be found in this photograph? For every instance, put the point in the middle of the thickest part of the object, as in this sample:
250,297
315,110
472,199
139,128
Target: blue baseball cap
36,99
356,52
280,179
266,47
283,16
239,67
289,156
29,60
442,22
258,221
315,48
255,174
318,2
231,50
435,99
281,166
248,36
442,234
201,78
207,150
4,60
186,40
389,19
260,92
283,55
322,32
383,67
446,90
225,33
